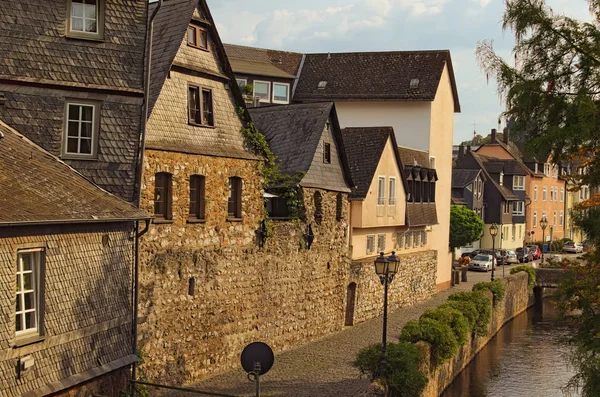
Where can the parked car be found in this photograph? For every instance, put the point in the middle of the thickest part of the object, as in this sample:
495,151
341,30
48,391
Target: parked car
573,248
524,255
536,252
511,257
481,262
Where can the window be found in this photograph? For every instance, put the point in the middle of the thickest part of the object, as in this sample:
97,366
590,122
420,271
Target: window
399,240
535,193
432,163
29,293
416,239
162,196
86,19
234,200
519,208
424,237
518,182
381,196
241,82
262,90
544,216
432,191
408,240
327,153
200,106
339,207
392,192
554,218
370,243
81,130
506,207
545,194
197,37
281,93
562,194
197,197
381,243
318,200
555,171
562,218
418,192
501,180
535,219
514,232
547,169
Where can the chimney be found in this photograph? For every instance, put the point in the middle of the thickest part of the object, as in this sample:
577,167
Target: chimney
506,135
493,135
468,148
461,151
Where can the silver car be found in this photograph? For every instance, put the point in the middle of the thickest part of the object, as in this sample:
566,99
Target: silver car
511,257
481,262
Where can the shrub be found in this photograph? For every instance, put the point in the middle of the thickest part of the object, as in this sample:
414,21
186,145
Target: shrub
438,334
405,378
482,304
468,310
454,318
496,287
528,270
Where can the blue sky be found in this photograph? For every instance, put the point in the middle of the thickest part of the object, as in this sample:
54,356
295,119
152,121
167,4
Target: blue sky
378,25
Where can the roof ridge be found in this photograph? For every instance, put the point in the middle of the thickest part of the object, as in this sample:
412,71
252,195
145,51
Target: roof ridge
260,48
447,51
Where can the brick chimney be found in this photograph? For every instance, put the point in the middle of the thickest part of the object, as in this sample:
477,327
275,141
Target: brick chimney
493,135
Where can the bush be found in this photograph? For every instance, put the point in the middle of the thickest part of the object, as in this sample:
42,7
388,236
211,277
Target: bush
405,379
468,310
454,318
438,334
482,304
496,287
530,271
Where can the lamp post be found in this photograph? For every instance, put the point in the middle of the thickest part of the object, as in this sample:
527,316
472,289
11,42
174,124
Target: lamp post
493,233
543,225
386,269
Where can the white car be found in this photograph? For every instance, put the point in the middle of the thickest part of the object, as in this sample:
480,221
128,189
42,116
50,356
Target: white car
481,262
573,248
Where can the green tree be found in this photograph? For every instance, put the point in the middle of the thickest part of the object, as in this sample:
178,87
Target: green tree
552,92
465,226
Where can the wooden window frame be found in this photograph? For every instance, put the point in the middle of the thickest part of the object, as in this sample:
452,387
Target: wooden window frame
370,237
234,198
327,152
95,36
197,212
201,90
381,237
96,108
268,99
197,32
25,337
167,216
287,101
517,186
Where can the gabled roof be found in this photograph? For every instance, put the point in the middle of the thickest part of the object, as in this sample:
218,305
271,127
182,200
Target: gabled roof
462,178
412,157
39,188
457,198
262,61
294,133
364,147
480,161
364,76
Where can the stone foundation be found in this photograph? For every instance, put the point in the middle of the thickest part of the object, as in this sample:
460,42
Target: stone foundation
109,385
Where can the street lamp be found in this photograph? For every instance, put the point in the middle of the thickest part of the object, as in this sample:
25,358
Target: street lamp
543,225
493,233
386,269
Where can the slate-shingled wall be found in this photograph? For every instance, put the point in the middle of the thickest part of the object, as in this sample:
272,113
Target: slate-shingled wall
87,303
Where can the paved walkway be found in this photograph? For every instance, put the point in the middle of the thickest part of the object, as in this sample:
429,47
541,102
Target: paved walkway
324,367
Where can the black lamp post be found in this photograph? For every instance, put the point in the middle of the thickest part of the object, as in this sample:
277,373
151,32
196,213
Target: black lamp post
543,225
493,233
386,269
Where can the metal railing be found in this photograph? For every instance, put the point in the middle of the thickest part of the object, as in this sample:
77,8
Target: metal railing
185,389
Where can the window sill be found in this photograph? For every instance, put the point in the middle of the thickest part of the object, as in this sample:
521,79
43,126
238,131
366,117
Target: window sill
201,125
79,157
234,219
28,340
83,36
196,221
162,221
198,47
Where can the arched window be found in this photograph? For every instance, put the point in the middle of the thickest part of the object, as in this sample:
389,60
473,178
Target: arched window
197,197
234,203
318,198
163,195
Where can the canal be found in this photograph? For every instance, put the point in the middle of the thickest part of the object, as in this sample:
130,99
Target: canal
525,359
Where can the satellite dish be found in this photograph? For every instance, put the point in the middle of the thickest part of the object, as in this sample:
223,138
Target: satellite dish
257,358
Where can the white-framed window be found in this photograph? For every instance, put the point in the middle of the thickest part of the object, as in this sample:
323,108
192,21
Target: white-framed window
408,240
262,90
29,292
381,196
514,232
547,169
381,243
416,239
562,218
506,207
370,243
241,82
501,178
424,237
281,93
519,208
399,240
562,194
535,193
544,216
551,193
554,218
535,220
85,19
518,182
80,135
392,197
555,171
545,194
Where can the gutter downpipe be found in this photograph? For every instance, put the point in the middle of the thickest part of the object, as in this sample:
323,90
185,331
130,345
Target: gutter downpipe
138,198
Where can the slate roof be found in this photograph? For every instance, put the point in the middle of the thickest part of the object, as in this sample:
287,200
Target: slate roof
288,62
412,157
294,133
38,187
461,178
364,147
421,214
457,198
374,76
504,191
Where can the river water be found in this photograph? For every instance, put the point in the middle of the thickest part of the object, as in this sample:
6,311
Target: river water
525,358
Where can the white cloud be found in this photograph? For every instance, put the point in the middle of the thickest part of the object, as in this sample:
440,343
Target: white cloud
484,3
381,7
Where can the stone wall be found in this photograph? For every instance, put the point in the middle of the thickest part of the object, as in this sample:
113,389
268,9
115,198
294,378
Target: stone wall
110,385
515,302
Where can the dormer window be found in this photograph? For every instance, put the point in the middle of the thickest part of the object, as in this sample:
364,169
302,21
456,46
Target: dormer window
327,153
197,37
85,19
501,181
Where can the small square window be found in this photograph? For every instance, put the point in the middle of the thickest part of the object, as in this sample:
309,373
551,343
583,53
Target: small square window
281,93
327,153
197,37
262,90
85,19
80,135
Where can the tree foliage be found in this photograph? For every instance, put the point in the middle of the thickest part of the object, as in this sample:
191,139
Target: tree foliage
465,226
552,94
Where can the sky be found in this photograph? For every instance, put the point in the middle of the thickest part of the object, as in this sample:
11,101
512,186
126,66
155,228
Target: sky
388,25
